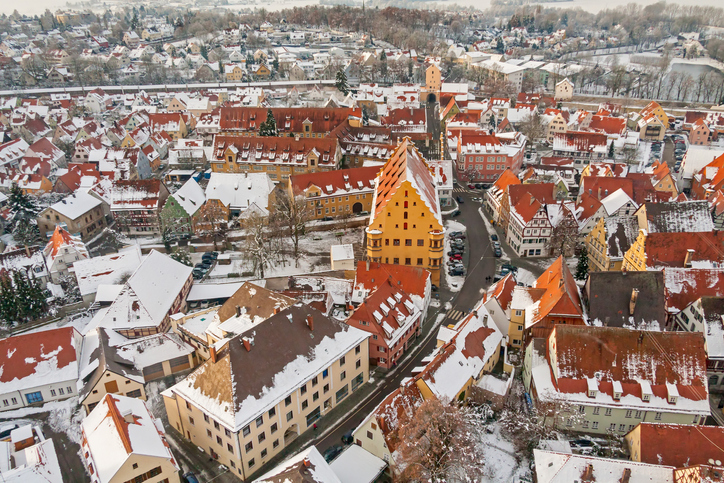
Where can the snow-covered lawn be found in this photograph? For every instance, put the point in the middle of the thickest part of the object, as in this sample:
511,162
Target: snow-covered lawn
454,283
314,252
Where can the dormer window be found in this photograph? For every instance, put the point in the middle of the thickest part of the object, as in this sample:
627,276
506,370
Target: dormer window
617,390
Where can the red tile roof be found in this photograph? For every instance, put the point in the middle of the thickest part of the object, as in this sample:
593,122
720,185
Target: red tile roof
561,297
412,280
405,117
46,351
340,180
608,125
602,186
680,444
686,285
281,149
629,356
670,249
288,119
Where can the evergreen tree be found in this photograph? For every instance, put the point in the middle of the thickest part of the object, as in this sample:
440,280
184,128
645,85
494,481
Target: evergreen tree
268,127
383,65
341,84
26,232
21,205
582,267
365,117
610,150
204,51
8,305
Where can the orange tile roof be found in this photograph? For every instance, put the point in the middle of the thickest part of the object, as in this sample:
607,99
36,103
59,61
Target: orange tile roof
506,179
394,410
502,290
602,186
406,165
561,297
412,280
588,206
339,179
275,149
22,354
608,124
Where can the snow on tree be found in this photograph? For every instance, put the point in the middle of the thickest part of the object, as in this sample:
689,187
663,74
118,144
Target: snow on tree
439,443
268,127
292,215
21,299
259,245
22,220
341,82
182,256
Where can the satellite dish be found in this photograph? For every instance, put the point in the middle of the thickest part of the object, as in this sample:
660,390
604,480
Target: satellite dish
711,461
718,462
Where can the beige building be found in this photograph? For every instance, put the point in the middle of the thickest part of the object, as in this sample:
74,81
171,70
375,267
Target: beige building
564,90
82,214
266,386
123,442
609,241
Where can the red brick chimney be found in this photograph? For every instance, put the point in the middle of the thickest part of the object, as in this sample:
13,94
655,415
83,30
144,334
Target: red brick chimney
212,353
310,322
247,344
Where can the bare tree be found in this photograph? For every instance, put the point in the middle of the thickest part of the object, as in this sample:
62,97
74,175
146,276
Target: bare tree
564,237
292,215
259,245
533,127
439,443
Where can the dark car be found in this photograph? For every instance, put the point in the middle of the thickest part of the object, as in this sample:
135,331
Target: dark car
498,252
479,186
433,287
454,252
457,234
332,452
190,478
456,272
327,218
460,199
455,213
348,437
494,237
197,274
210,256
200,266
509,267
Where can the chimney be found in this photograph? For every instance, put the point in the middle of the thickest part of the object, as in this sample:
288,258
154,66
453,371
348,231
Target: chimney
307,463
599,192
127,415
632,302
532,200
247,344
212,352
27,251
238,311
276,310
626,476
310,322
368,265
587,475
688,257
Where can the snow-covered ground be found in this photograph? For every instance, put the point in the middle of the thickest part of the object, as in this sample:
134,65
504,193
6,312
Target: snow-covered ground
79,321
501,459
525,277
454,283
314,249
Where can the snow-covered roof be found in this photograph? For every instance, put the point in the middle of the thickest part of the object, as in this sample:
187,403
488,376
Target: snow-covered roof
190,196
35,464
342,252
308,465
119,427
357,465
107,270
552,467
616,200
239,191
76,205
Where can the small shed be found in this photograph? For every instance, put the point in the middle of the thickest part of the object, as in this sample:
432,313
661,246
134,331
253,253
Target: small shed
342,257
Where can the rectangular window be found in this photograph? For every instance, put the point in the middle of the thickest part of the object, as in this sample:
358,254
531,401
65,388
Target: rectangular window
52,392
595,425
34,397
272,412
251,463
274,428
326,388
342,361
259,421
608,411
342,393
287,400
596,410
657,417
246,430
275,443
325,373
629,412
396,242
249,446
305,404
262,437
290,415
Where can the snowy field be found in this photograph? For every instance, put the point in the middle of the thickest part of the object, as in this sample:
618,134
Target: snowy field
501,459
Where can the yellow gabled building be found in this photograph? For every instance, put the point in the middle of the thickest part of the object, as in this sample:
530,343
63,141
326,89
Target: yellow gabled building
405,226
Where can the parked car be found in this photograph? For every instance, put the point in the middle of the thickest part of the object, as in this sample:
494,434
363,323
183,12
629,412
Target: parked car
457,234
498,252
348,437
496,244
456,257
509,267
455,213
471,186
433,287
454,252
210,256
327,218
477,200
456,272
494,237
479,186
190,477
460,199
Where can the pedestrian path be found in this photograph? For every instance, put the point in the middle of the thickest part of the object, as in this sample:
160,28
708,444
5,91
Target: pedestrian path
459,190
456,314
